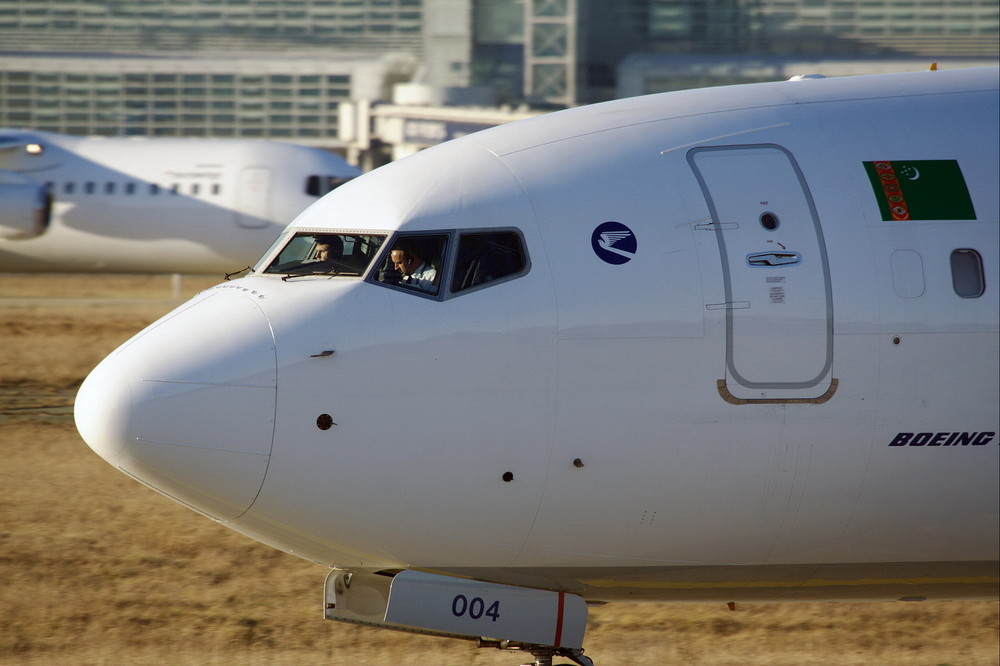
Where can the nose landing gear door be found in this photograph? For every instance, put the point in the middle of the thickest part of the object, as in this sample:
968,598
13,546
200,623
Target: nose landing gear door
778,304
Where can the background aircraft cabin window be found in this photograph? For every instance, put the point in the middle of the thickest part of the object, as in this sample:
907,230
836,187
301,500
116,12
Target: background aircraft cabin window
486,257
326,253
317,186
415,263
967,273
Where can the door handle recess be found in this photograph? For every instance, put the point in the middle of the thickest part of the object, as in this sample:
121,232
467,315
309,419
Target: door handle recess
774,259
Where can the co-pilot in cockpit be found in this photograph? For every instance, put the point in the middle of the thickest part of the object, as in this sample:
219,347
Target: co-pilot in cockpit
416,263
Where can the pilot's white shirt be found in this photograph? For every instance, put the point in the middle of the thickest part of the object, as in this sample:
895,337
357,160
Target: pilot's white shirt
422,278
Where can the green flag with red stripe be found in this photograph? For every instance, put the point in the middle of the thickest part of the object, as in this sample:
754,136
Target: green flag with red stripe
920,190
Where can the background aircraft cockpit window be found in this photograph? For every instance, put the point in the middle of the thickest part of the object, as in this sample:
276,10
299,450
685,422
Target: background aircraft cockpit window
324,253
317,186
415,262
485,257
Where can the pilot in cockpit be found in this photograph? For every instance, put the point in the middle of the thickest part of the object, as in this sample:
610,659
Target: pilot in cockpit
416,272
328,248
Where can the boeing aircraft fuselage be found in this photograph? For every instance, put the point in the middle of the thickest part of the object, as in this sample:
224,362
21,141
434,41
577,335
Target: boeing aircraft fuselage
728,344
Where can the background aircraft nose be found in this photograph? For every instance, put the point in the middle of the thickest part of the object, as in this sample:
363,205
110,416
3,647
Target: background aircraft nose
187,406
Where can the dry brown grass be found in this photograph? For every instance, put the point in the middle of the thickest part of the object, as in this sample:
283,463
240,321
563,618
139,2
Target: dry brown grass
96,569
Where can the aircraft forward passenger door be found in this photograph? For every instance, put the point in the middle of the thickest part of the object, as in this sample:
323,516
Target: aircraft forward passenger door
778,303
253,197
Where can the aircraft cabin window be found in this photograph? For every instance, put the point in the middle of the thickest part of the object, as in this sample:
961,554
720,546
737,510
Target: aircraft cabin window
88,188
312,186
486,257
154,188
326,253
415,263
967,277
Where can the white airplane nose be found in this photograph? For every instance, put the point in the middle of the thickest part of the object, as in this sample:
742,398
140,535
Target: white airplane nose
187,406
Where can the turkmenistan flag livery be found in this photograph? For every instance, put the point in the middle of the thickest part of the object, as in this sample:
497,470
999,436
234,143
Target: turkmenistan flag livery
920,190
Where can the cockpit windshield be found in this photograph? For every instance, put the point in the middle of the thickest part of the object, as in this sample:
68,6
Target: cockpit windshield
326,253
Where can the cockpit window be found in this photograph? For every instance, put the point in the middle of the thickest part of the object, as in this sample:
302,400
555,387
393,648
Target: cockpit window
322,253
317,186
443,264
487,257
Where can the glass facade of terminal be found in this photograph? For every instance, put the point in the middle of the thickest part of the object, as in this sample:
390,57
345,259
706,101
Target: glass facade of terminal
209,25
111,98
160,68
942,28
946,27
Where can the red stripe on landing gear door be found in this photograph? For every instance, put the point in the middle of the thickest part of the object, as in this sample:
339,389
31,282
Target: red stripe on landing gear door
559,620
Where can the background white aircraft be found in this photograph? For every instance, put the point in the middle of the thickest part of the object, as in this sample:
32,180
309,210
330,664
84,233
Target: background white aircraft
782,384
151,204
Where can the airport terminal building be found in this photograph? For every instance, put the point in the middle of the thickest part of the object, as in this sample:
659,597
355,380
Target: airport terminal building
284,69
287,98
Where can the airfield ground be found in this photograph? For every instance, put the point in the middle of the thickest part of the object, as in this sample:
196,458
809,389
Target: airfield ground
96,569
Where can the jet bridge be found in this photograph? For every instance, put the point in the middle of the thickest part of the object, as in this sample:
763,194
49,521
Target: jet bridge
379,133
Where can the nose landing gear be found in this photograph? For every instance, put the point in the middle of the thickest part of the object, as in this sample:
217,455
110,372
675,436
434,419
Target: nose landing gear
544,657
543,654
